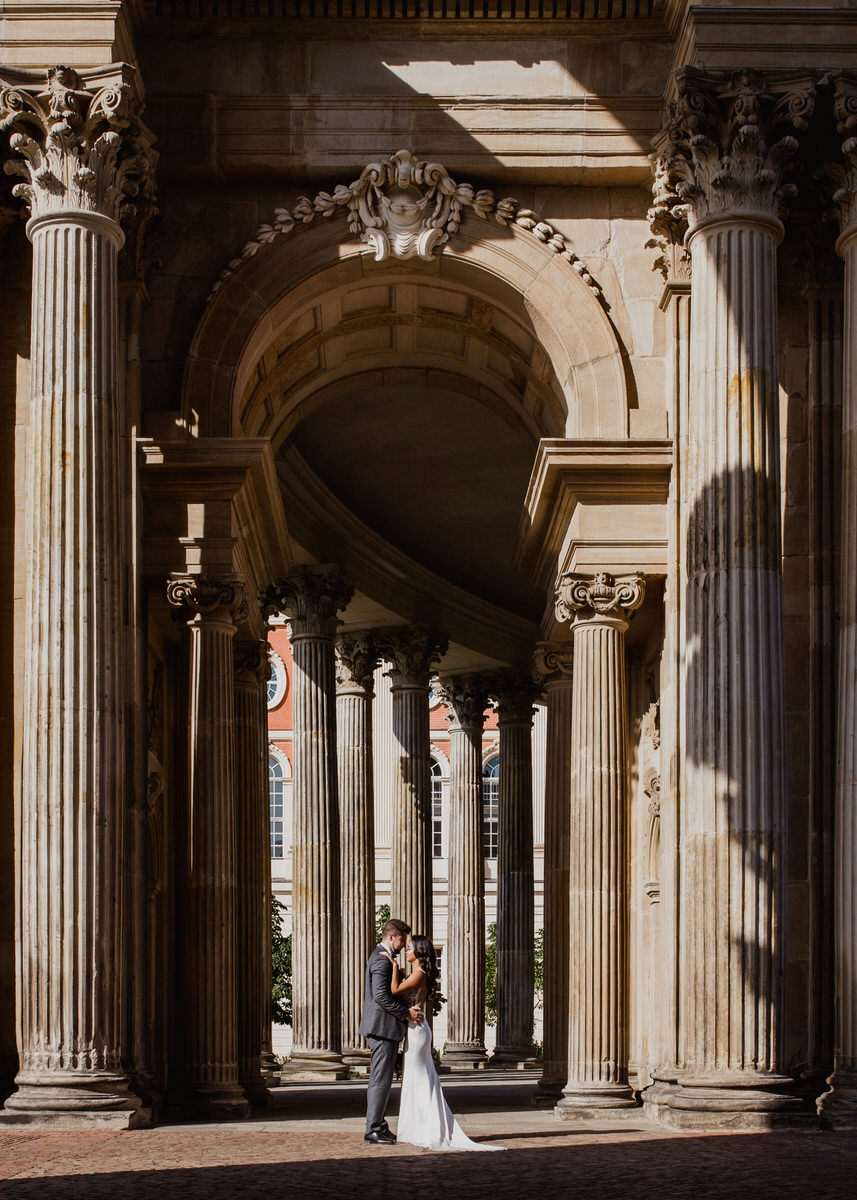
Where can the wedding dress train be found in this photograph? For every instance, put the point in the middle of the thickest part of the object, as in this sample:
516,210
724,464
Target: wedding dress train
424,1115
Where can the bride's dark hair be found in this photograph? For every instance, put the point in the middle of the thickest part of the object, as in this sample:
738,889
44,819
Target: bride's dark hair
424,950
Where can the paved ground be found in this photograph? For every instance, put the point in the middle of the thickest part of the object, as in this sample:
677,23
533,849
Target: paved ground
311,1145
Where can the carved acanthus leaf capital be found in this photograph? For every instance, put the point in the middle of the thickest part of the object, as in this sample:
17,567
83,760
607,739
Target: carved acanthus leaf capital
411,651
356,660
466,697
515,693
584,597
311,597
845,111
78,142
552,662
727,143
252,663
216,597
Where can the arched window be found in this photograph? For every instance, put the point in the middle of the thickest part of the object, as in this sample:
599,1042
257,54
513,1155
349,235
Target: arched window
436,809
490,805
276,794
277,681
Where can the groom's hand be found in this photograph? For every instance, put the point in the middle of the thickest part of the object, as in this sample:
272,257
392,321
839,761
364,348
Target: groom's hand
417,1015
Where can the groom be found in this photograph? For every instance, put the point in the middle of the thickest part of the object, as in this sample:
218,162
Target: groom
383,1025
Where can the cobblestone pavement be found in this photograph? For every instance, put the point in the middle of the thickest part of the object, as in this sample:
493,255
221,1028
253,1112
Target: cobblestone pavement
311,1144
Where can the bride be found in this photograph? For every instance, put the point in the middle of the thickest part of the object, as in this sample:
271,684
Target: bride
424,1115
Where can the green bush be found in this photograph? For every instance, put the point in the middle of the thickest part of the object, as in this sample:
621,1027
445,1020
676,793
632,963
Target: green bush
281,967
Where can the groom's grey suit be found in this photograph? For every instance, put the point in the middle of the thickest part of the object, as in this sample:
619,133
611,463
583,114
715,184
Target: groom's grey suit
383,1025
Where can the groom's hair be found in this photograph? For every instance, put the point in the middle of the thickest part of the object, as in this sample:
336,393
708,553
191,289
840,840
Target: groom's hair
395,927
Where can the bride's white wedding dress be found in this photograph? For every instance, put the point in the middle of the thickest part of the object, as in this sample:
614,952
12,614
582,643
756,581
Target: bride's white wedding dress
424,1115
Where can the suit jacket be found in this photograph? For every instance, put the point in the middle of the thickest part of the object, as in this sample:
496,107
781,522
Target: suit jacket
383,1015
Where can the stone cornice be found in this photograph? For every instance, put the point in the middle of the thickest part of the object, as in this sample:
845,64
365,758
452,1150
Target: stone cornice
401,207
727,142
79,142
573,12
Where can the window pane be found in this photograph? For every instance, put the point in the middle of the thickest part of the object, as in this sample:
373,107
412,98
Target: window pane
490,806
276,798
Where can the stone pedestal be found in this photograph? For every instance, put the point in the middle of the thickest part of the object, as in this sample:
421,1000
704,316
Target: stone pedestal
411,652
312,597
515,693
466,698
209,940
253,867
839,1106
356,660
553,664
71,148
598,608
729,140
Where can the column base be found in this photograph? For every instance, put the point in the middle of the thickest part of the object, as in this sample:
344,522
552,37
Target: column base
255,1088
464,1056
225,1101
270,1065
356,1059
579,1104
74,1100
746,1101
548,1091
837,1108
514,1058
656,1095
313,1066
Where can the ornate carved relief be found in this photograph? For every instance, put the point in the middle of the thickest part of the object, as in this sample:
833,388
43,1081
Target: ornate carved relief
726,145
845,111
311,597
252,663
403,208
552,661
466,697
411,652
515,693
356,660
601,595
79,142
652,789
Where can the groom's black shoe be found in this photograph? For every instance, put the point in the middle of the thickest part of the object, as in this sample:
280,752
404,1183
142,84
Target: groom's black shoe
380,1137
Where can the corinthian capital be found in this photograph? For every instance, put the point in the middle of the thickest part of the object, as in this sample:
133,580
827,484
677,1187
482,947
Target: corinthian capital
466,697
587,597
311,597
552,662
201,596
252,663
726,144
356,660
78,141
845,111
411,652
515,692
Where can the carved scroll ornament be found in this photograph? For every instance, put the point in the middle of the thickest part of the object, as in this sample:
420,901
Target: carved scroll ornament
403,208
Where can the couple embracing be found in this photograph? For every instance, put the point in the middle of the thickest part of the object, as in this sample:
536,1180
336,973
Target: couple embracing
394,1008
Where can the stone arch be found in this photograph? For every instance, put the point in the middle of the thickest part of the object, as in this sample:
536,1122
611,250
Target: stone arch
573,376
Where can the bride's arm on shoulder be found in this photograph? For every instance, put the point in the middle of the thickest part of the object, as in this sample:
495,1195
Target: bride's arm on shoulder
409,984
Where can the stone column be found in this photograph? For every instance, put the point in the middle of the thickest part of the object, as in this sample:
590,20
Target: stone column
839,1105
598,608
312,597
253,866
356,660
411,652
553,668
72,145
515,693
728,141
209,928
466,698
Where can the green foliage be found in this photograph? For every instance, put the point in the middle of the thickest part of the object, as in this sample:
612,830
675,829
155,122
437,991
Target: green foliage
491,975
382,916
281,967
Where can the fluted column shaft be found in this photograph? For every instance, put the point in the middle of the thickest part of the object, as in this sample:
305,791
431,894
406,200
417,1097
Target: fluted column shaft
411,652
839,1106
254,868
554,669
355,665
598,870
209,930
515,694
466,699
312,597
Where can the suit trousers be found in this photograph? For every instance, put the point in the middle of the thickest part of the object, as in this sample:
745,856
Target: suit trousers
382,1062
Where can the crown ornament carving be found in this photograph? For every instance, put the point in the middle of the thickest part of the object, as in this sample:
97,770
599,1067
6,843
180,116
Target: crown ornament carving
78,142
584,597
401,207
